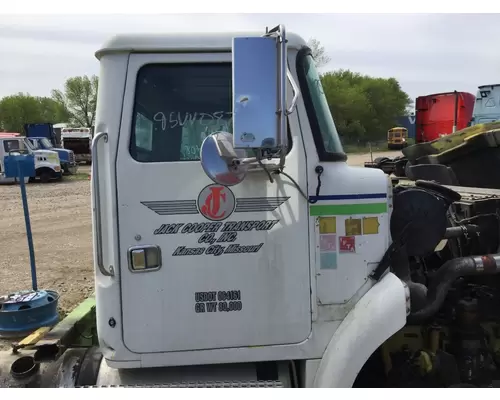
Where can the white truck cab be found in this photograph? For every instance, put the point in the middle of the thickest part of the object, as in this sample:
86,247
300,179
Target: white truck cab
487,105
228,228
47,163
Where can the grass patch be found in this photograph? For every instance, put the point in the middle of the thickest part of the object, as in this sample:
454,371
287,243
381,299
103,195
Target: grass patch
80,176
375,147
360,149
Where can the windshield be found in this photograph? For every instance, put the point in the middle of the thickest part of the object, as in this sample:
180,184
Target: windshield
15,145
46,143
28,144
324,131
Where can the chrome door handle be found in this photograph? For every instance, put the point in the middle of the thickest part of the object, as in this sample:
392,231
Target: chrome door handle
145,258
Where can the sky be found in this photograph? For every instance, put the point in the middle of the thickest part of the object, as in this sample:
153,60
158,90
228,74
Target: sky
426,53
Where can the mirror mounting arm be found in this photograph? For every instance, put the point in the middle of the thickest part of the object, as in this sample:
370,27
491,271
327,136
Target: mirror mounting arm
258,59
282,103
285,75
296,92
280,32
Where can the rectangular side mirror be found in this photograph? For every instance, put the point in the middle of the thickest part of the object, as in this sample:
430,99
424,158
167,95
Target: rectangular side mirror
256,92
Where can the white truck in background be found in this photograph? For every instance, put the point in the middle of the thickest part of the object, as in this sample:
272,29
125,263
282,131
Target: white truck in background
487,105
78,140
47,163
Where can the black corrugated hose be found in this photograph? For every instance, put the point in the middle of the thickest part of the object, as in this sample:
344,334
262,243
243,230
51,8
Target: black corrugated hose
444,279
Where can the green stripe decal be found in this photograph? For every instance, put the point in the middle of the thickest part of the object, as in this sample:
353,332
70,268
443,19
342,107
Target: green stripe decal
347,209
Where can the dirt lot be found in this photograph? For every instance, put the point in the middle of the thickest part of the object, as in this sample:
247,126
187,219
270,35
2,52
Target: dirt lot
359,159
61,224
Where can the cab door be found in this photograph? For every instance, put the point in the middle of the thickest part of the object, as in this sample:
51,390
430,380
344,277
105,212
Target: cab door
203,266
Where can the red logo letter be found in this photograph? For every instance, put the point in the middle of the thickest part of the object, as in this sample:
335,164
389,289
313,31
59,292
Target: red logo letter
212,204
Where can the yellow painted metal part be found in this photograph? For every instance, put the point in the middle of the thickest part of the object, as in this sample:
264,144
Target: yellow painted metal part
459,138
33,338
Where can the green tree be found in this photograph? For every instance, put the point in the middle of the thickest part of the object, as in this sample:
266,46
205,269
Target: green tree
364,107
79,98
22,108
50,110
319,54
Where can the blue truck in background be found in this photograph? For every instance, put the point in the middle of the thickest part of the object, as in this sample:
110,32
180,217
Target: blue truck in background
43,137
408,122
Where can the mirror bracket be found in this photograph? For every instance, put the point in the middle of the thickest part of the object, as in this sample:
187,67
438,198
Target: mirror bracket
285,75
224,156
280,32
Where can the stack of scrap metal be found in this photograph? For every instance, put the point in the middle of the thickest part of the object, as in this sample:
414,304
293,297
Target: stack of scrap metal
469,157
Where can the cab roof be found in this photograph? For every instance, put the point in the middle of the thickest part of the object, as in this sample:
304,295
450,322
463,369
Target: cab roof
182,42
493,85
9,134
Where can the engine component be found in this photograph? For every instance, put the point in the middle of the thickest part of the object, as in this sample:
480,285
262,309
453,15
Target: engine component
439,241
459,354
423,369
448,194
469,345
418,220
446,276
461,230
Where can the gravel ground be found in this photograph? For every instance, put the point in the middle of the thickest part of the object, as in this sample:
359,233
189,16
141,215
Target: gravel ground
61,224
62,236
359,159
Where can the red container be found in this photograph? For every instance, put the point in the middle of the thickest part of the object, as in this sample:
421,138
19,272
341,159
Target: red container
436,114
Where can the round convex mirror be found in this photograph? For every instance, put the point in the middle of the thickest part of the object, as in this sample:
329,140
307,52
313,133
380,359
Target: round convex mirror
221,169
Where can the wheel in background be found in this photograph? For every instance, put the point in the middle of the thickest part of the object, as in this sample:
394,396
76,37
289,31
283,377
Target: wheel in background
45,177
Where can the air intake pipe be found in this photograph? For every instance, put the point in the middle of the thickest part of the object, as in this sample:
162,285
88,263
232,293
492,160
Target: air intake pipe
444,279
